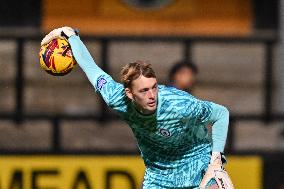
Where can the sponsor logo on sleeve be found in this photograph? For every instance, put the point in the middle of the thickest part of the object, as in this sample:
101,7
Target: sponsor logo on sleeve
101,82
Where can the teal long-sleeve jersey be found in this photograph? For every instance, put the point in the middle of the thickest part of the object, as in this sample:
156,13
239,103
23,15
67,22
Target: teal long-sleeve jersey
175,138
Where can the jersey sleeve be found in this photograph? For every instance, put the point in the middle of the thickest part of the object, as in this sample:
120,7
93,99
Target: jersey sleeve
205,112
111,91
220,120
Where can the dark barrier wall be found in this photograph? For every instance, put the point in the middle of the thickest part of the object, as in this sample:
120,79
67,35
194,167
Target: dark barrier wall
20,13
274,172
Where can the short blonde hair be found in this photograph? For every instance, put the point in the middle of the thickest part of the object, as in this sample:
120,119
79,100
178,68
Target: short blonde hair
133,70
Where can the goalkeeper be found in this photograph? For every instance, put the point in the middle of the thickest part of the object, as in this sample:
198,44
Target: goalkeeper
169,124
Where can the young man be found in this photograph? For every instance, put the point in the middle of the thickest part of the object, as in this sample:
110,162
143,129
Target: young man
169,124
182,75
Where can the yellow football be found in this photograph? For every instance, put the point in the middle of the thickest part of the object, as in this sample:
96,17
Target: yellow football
56,57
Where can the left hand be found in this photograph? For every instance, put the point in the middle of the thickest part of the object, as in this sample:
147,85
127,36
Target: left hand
216,172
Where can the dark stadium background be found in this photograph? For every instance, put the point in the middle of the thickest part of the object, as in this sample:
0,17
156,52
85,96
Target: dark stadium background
238,48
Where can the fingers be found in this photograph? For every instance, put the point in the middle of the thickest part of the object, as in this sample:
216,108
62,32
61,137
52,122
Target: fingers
219,175
223,180
56,33
49,37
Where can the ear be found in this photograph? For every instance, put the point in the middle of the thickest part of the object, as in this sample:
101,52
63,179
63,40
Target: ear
129,93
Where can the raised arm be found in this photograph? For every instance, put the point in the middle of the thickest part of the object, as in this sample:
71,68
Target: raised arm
86,62
111,91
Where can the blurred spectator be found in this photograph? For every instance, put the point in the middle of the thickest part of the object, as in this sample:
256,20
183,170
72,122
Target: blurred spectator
183,75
